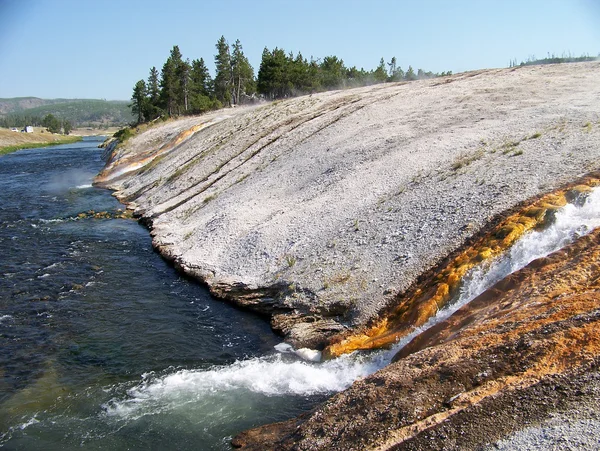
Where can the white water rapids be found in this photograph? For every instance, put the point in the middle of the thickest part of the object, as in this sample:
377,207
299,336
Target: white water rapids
284,374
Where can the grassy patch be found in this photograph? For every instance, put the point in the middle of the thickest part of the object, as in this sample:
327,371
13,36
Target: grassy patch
535,135
509,146
290,260
340,278
465,159
242,178
209,198
67,140
124,134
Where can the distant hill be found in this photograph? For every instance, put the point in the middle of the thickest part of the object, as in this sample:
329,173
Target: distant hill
80,112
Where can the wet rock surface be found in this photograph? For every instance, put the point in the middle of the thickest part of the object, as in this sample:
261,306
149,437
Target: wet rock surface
517,354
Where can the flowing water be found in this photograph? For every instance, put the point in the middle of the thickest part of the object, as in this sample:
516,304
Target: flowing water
104,346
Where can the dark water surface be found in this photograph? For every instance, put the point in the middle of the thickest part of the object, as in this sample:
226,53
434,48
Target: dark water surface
103,345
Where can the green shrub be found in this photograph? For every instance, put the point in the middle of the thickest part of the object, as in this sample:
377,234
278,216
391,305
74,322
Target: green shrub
124,134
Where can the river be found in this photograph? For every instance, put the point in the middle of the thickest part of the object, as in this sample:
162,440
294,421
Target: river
104,345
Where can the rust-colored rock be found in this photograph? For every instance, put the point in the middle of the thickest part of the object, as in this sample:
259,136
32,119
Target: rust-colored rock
519,350
416,307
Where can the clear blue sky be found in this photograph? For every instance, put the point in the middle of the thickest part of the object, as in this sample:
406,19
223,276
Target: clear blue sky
100,48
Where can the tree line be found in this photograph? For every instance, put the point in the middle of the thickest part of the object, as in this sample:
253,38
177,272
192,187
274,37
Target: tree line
186,87
553,59
50,122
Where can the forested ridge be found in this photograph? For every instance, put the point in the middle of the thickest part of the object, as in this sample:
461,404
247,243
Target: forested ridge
186,87
96,113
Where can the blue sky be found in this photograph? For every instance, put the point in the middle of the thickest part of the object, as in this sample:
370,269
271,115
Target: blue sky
100,48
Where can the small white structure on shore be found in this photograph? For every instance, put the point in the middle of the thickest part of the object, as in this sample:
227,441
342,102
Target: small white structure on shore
28,129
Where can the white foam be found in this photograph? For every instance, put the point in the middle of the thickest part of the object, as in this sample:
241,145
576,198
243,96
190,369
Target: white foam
283,374
5,318
33,420
571,222
86,186
271,376
284,347
311,355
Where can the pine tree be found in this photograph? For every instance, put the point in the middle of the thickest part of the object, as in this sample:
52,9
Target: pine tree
299,75
152,109
153,88
172,90
138,100
223,77
242,73
265,77
380,74
200,87
183,72
200,81
332,71
168,87
410,74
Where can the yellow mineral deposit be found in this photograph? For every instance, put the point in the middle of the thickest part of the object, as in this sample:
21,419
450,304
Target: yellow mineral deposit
415,308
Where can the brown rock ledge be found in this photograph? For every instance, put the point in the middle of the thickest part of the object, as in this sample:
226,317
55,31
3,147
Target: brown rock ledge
528,346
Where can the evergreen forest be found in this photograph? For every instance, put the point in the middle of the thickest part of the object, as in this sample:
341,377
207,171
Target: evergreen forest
186,87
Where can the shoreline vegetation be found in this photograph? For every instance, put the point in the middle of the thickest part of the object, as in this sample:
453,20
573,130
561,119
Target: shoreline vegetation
11,141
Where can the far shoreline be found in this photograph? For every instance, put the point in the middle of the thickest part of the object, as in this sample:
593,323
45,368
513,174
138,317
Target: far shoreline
11,141
34,145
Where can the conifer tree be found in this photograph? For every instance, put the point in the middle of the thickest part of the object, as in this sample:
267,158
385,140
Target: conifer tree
223,77
153,88
265,77
200,80
153,102
242,73
380,74
200,87
168,87
332,70
52,123
171,91
138,100
183,72
299,73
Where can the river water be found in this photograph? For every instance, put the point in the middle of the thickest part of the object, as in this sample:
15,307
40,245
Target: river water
104,345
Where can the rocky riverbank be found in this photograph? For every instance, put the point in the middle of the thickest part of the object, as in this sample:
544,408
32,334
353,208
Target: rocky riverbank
320,210
329,212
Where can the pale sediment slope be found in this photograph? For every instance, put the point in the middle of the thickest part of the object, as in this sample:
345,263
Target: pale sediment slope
320,209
